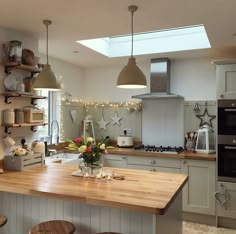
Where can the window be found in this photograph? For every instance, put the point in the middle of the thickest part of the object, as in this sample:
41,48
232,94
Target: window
168,40
52,107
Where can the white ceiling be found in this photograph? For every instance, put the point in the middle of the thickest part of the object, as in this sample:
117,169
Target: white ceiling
84,19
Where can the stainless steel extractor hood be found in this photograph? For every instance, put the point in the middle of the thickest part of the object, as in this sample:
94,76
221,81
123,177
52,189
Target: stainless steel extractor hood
159,81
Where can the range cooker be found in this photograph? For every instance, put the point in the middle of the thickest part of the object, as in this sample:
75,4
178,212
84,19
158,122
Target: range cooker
159,149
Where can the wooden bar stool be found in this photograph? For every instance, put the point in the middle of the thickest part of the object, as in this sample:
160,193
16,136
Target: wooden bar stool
3,220
109,233
53,227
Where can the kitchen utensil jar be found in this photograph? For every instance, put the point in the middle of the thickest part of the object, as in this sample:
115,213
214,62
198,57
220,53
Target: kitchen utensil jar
19,116
14,51
9,116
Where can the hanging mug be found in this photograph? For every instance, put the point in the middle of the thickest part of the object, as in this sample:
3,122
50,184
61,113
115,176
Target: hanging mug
8,141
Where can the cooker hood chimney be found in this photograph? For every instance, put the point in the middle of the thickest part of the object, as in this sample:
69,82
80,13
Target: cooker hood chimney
159,81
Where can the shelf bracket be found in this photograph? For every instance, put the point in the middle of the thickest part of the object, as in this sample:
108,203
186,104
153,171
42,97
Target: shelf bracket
33,129
6,130
6,100
7,70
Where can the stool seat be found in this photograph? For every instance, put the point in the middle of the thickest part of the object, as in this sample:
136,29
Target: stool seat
3,220
109,233
54,227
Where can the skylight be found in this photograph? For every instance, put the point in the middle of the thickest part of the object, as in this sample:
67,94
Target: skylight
169,40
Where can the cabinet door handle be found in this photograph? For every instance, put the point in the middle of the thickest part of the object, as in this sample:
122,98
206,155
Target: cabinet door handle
153,162
124,158
184,162
153,169
231,147
221,95
230,110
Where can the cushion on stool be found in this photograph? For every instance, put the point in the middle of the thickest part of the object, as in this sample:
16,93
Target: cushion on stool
53,226
3,220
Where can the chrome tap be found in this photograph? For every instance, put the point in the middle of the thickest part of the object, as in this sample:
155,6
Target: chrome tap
52,133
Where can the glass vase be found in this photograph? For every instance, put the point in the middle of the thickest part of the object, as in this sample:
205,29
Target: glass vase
88,169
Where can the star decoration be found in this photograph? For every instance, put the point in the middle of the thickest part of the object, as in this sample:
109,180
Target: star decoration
206,119
116,119
102,124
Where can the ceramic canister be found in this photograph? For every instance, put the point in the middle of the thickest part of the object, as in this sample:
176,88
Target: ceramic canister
9,116
39,147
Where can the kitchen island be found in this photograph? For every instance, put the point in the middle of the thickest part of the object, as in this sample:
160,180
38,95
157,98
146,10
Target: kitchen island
145,202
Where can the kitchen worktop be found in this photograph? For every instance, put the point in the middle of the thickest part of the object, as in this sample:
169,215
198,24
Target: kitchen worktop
150,192
182,155
132,151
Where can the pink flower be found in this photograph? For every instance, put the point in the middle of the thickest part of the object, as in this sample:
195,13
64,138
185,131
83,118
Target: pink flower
78,140
105,152
89,149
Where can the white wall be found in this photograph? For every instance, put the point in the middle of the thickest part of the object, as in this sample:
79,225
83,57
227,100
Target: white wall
100,84
192,78
70,74
30,43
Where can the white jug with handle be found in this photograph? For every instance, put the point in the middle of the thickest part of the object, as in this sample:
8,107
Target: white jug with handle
39,147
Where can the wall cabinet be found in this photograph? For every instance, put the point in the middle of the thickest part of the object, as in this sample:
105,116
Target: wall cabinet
199,192
226,199
225,80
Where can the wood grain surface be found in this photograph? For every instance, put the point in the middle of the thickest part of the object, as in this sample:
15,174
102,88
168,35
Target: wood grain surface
183,155
151,192
53,226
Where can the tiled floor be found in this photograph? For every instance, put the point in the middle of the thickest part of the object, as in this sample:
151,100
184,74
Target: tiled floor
195,228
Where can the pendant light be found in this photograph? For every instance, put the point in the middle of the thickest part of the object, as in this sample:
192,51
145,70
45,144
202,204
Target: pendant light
46,80
131,77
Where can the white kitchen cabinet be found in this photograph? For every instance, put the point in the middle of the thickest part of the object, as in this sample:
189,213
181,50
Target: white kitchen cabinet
199,191
115,160
154,164
226,199
225,80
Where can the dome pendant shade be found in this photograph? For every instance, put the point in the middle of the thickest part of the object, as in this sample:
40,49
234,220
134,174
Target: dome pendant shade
46,80
131,76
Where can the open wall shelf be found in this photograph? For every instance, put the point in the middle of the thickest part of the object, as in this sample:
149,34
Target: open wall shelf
32,125
10,65
33,97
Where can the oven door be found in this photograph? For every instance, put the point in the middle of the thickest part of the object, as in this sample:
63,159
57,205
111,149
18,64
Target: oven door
226,117
227,160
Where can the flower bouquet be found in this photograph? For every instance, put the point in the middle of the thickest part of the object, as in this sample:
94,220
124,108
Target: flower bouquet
90,153
20,151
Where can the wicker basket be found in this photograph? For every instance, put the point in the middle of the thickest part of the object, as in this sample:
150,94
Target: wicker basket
20,163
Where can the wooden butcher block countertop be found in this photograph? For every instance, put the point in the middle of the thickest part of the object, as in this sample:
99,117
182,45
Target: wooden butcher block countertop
151,192
182,155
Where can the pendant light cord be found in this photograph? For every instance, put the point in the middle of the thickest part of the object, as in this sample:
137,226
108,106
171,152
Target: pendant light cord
47,23
47,42
132,33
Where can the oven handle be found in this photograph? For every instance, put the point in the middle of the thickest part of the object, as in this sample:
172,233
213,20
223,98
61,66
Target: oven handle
230,110
230,147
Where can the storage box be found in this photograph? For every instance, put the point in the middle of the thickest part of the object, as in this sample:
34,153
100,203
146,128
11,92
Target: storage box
20,163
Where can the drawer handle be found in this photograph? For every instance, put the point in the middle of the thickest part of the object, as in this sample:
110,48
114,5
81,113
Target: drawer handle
153,162
153,169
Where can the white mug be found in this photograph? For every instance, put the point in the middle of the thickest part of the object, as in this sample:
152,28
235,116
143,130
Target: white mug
8,141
